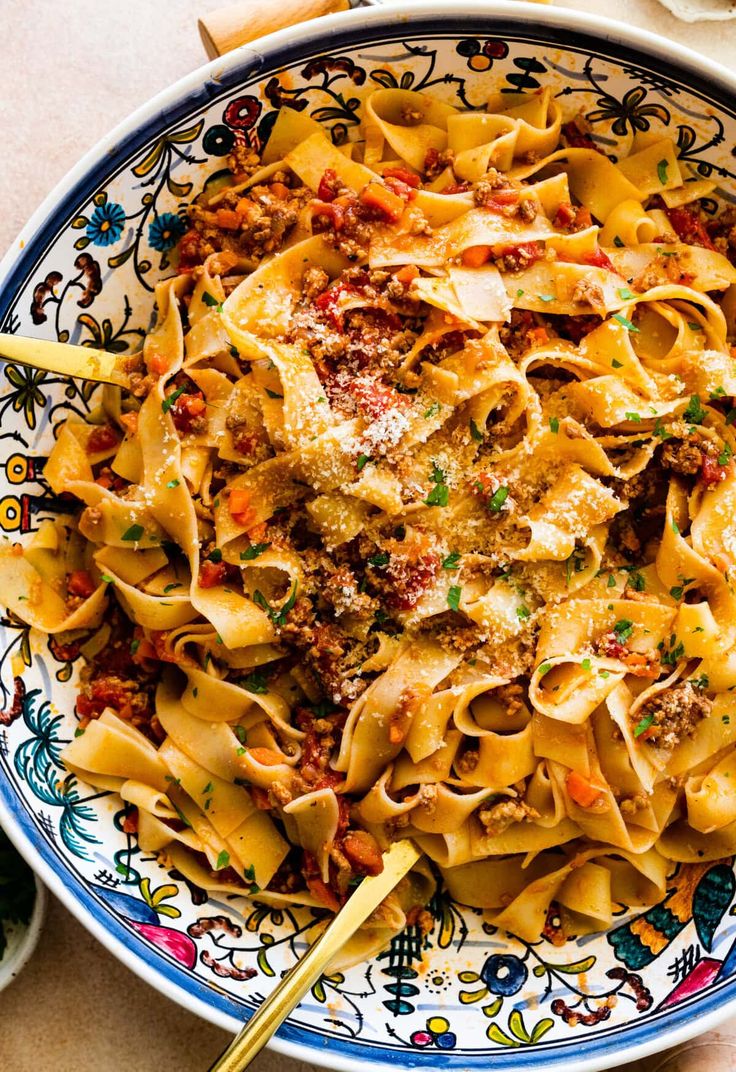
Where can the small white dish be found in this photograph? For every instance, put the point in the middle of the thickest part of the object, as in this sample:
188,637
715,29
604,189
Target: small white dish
22,938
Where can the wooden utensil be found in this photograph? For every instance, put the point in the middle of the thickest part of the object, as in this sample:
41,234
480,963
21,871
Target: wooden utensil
81,362
400,858
228,27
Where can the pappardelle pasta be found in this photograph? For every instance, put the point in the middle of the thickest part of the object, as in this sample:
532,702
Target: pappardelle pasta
416,516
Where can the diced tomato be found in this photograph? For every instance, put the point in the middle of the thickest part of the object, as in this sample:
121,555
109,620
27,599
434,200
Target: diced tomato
187,409
431,159
163,652
328,185
502,199
190,253
581,790
598,259
102,438
688,226
260,798
157,363
412,578
334,212
404,191
456,188
711,473
80,583
103,692
241,508
403,175
329,300
384,201
375,398
130,822
573,217
537,336
228,219
521,256
577,138
212,573
475,256
144,650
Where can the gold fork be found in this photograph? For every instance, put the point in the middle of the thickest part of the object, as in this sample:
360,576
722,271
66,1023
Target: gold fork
80,362
400,858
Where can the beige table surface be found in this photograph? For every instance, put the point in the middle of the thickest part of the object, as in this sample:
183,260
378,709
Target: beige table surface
70,70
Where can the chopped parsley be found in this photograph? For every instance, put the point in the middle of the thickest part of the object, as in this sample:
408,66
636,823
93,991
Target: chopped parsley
254,551
547,297
211,300
381,559
623,629
662,171
278,617
433,410
173,483
362,461
273,394
110,580
452,560
523,612
440,493
554,425
453,597
700,682
215,555
624,322
625,294
169,401
618,242
475,431
255,682
133,534
241,734
223,860
718,392
498,498
694,413
544,669
171,587
643,726
586,664
633,417
660,431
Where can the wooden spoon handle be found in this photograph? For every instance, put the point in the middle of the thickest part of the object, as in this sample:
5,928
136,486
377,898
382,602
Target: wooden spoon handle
226,28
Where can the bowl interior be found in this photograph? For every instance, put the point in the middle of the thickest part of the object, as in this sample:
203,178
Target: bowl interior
85,273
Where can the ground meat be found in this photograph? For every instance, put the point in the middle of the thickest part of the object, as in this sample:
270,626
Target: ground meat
435,162
511,696
528,209
631,805
499,817
315,280
243,161
486,190
411,116
682,456
590,293
676,713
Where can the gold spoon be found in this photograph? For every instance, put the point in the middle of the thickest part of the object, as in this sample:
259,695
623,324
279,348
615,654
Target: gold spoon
400,858
81,362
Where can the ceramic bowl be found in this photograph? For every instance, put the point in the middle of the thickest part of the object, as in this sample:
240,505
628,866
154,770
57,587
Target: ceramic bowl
84,270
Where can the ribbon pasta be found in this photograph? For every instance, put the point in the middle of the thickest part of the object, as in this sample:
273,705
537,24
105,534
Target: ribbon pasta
416,520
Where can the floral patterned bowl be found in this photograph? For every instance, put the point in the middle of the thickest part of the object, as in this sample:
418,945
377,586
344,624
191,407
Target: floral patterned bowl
84,270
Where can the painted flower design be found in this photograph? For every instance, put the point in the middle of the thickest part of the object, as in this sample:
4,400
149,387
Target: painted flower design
165,231
480,57
629,111
106,224
242,112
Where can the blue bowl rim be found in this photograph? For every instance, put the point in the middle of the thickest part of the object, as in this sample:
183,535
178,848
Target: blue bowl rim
565,28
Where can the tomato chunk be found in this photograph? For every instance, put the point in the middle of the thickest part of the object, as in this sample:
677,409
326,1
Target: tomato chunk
101,439
80,583
688,226
328,185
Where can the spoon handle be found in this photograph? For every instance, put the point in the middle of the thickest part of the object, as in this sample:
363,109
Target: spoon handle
400,858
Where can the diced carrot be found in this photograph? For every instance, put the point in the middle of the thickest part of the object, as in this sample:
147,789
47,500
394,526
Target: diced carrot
244,207
406,274
129,422
260,798
278,189
581,790
537,336
228,219
265,756
475,256
144,651
322,893
403,175
157,363
241,509
363,852
389,204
